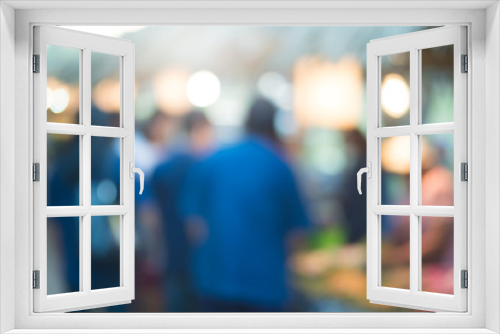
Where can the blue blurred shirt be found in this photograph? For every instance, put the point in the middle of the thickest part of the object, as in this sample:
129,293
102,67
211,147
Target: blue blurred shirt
249,199
168,180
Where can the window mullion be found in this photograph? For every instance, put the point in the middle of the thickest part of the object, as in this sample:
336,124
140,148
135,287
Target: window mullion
85,165
414,170
433,129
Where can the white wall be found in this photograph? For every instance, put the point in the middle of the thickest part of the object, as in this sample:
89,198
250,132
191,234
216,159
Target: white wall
7,161
23,219
492,165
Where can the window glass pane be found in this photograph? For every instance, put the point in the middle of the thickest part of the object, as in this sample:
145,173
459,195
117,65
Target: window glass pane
63,74
63,170
105,89
395,89
105,171
437,169
395,161
437,84
395,261
63,255
437,254
105,257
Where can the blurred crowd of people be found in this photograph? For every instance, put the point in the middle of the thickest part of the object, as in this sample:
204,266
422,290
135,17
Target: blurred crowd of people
229,216
220,227
262,216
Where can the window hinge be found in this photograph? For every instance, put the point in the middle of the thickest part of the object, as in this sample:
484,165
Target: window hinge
465,64
464,171
465,279
36,279
36,172
36,63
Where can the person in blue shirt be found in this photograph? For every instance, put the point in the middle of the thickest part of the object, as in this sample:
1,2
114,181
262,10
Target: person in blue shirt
168,180
242,206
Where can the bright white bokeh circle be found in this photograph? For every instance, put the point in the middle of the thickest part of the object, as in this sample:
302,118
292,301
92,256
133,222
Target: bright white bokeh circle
59,100
203,89
395,96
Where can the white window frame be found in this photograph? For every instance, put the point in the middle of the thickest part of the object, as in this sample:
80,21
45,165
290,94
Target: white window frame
482,19
86,44
412,44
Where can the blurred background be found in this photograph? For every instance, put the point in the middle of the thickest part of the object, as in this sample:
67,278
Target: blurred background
250,139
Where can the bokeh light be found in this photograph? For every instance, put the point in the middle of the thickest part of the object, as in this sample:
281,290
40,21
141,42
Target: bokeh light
106,96
395,95
106,191
62,100
49,97
327,94
170,91
203,89
59,100
430,154
396,155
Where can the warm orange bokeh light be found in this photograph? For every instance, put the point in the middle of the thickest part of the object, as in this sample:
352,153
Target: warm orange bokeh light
106,95
328,95
171,92
396,155
430,155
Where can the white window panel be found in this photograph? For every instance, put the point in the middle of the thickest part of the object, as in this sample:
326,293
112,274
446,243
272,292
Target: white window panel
414,297
85,43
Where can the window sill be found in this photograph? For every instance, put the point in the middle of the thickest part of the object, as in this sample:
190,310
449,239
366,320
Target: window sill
248,331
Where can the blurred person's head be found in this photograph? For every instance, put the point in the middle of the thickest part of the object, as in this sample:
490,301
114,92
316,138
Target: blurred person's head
160,128
355,143
199,131
260,120
355,140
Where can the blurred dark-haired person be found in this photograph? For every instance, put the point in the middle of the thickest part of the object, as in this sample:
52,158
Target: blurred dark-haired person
243,207
354,214
168,180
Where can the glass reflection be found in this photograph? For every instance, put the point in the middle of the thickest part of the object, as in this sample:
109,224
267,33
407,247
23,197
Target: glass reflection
63,86
105,171
437,169
106,90
437,254
395,163
437,84
395,89
63,255
105,252
63,170
395,241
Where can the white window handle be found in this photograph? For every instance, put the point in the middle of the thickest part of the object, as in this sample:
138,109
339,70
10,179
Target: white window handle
139,171
368,171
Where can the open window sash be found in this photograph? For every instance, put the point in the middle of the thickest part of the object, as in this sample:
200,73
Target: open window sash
414,297
85,43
